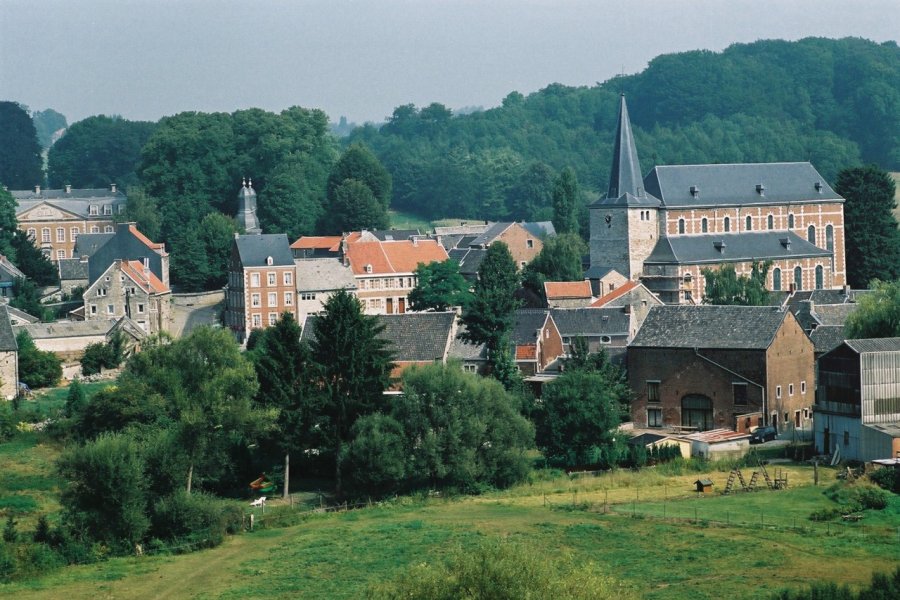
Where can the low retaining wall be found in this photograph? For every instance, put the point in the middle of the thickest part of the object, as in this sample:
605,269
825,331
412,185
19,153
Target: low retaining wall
199,298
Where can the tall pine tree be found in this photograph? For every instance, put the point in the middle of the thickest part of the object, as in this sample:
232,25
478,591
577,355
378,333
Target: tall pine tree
565,195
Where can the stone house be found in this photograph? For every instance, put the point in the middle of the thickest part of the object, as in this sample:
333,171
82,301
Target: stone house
634,295
317,280
606,329
9,357
68,339
123,242
261,283
8,275
128,288
568,294
858,400
535,341
604,279
667,227
55,218
711,367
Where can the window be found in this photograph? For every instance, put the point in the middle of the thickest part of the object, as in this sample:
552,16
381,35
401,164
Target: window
522,264
110,309
93,309
798,278
108,229
604,339
95,229
726,224
470,368
529,243
256,319
107,209
254,279
749,226
652,391
829,238
791,221
32,233
786,419
272,300
255,300
811,234
654,417
308,296
740,393
93,210
770,222
289,298
45,235
704,225
140,309
790,389
273,318
820,277
680,225
101,291
778,391
74,233
270,261
776,279
368,268
60,234
802,387
288,278
60,254
270,279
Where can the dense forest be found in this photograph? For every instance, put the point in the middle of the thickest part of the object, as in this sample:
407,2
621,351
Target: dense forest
835,103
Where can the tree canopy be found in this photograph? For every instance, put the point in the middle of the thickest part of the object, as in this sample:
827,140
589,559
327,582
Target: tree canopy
47,123
878,314
724,286
871,237
490,315
439,286
565,202
21,164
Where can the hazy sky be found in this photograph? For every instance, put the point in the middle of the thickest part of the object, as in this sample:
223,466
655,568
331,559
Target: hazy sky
145,59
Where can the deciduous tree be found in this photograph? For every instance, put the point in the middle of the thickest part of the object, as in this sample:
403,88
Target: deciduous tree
439,286
878,314
21,165
353,206
725,287
358,162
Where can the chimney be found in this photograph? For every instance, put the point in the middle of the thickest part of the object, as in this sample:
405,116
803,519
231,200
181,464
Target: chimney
112,188
146,265
37,190
68,188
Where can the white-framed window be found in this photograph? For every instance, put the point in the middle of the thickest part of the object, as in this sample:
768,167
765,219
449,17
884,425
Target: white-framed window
470,368
605,339
289,298
74,233
778,391
802,387
32,233
254,279
529,243
270,279
95,229
45,235
790,389
60,234
256,319
272,300
308,296
680,225
368,268
654,417
140,309
270,261
93,309
110,309
108,229
704,225
60,254
726,224
749,224
107,209
273,318
255,300
101,291
288,278
93,210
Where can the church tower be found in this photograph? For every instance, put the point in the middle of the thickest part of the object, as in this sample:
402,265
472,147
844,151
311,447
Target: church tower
246,215
625,222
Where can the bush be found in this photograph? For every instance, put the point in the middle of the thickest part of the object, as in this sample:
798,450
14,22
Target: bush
37,368
7,422
101,356
197,518
872,498
888,479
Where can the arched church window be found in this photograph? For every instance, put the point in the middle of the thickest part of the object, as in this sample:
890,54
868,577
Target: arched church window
680,225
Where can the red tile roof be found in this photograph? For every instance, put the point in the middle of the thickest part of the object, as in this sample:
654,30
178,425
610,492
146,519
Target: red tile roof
332,243
143,277
526,352
400,256
152,245
619,291
567,289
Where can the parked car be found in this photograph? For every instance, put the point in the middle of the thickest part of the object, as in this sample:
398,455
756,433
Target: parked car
763,434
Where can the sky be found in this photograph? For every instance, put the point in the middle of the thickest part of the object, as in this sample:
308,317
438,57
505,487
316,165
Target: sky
144,59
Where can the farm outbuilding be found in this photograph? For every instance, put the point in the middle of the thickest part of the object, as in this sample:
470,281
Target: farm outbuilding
655,440
718,444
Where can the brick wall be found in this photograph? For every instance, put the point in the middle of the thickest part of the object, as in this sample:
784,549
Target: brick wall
522,245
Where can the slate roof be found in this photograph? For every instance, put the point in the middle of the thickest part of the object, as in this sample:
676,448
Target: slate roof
597,272
9,270
77,201
833,314
739,247
73,269
567,289
736,184
819,297
862,346
461,350
469,259
540,228
528,321
722,327
323,274
573,322
21,315
412,337
388,235
254,249
826,338
7,337
490,234
87,244
645,439
473,229
63,329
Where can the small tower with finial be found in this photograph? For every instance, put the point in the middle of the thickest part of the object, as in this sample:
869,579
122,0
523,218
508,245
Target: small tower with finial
246,215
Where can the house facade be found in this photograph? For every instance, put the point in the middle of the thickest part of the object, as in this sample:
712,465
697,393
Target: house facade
535,341
9,356
667,227
55,218
8,275
568,294
317,280
711,367
858,400
261,283
523,243
128,288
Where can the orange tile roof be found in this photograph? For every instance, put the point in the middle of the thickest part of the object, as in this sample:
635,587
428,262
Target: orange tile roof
332,243
147,280
526,352
146,240
619,291
400,256
567,289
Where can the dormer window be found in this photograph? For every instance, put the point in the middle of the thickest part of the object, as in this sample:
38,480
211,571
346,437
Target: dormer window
107,209
270,261
695,191
368,268
819,186
93,210
760,189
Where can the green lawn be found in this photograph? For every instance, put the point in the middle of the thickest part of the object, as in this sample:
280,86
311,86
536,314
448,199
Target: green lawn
338,555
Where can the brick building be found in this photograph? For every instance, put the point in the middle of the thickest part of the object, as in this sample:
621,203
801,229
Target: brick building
55,218
666,227
261,283
708,367
535,340
524,243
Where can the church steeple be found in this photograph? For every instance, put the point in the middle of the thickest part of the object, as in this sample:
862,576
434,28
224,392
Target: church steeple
246,215
625,175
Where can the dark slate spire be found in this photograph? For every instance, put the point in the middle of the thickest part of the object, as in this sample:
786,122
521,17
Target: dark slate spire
625,175
246,216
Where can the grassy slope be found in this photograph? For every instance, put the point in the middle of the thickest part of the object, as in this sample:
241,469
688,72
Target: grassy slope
337,555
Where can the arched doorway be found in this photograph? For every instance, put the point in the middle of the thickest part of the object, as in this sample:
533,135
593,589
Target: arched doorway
697,411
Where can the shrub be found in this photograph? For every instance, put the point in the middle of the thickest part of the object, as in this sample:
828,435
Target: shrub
7,422
870,497
197,518
888,479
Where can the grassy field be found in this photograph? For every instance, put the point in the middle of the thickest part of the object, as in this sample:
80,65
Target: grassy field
607,519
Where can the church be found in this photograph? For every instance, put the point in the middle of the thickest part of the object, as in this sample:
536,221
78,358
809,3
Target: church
665,228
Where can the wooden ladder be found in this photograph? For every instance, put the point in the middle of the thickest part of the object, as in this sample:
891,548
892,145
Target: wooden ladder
753,480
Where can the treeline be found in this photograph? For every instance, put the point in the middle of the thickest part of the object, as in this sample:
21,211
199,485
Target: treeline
835,103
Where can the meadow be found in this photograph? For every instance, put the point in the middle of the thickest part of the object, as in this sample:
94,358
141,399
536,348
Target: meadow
648,528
